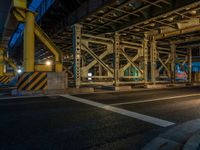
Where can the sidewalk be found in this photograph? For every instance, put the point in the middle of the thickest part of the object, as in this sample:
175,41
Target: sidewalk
185,136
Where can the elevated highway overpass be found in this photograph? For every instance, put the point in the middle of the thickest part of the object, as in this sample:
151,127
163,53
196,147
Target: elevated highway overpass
116,42
100,74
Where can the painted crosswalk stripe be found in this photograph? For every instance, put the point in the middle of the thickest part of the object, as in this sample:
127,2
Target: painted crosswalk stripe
149,119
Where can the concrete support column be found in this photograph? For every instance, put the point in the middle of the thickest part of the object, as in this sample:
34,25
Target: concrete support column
117,61
77,53
190,65
153,53
1,61
29,42
145,53
173,62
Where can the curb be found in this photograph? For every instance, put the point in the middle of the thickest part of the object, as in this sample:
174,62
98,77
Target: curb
176,137
193,143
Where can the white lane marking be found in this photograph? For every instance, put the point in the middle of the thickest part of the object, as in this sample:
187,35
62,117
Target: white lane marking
154,100
149,119
26,102
19,97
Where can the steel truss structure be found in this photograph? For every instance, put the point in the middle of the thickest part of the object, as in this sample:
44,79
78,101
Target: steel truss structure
120,42
112,61
128,42
107,59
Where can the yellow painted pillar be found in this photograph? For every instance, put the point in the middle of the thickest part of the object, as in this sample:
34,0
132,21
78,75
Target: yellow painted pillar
29,42
58,67
1,61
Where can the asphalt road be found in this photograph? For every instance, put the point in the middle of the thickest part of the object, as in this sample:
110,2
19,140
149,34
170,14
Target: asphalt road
96,121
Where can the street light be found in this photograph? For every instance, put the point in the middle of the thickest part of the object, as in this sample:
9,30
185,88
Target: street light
48,63
19,71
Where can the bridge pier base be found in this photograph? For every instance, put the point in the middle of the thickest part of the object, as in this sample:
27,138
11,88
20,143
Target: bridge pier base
35,81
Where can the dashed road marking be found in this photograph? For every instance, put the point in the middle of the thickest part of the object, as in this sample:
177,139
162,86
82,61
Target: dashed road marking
154,100
149,119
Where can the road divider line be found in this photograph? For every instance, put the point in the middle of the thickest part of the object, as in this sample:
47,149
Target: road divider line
154,100
19,97
149,119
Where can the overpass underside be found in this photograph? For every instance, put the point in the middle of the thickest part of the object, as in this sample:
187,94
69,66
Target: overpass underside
135,42
124,42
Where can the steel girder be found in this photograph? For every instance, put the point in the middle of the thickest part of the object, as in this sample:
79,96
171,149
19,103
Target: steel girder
32,29
132,20
164,62
97,55
108,59
5,60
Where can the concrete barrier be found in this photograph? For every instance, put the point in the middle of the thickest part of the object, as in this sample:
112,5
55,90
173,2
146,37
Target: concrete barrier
57,81
117,88
156,86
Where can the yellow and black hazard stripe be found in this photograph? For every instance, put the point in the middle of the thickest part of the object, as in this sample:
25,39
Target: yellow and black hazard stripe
4,79
32,81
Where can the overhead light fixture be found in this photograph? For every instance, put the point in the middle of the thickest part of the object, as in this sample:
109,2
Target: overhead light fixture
193,12
88,19
101,11
152,24
90,76
171,19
